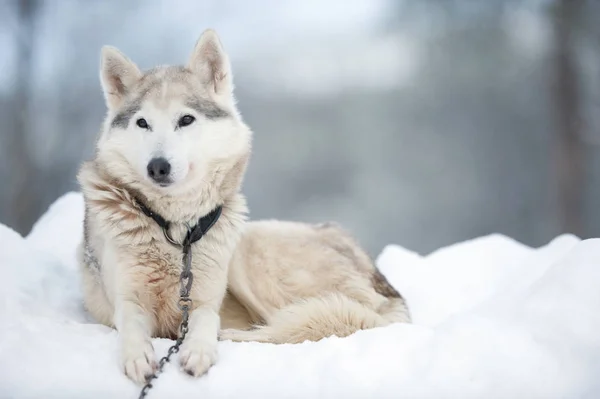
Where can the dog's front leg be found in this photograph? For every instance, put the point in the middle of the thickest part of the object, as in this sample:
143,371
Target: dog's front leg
199,349
134,326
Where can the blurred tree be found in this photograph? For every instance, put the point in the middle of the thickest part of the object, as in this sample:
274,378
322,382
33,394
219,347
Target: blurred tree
23,193
570,151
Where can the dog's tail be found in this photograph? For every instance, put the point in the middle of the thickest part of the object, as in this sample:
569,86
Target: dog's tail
315,318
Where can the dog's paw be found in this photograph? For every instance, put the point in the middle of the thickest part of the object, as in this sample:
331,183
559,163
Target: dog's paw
196,358
139,361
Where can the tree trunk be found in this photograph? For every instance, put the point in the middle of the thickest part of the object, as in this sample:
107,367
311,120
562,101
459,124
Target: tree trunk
570,153
22,168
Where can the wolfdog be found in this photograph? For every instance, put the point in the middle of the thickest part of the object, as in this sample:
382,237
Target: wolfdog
173,150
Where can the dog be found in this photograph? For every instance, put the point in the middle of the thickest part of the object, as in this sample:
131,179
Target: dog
172,152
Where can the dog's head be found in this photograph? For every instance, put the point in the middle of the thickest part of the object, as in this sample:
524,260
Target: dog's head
173,129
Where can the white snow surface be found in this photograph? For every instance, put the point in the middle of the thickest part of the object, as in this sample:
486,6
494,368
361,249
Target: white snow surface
492,319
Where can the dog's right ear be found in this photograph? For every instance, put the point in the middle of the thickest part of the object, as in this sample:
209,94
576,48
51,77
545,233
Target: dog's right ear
117,75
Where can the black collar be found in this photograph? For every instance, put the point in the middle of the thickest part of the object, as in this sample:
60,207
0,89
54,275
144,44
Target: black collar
194,233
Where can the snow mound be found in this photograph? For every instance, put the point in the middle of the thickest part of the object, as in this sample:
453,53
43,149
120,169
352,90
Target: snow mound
492,319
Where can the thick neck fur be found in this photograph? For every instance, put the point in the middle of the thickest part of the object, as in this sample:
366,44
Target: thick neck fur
113,201
182,207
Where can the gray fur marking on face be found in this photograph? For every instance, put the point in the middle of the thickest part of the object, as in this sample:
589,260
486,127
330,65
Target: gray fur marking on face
124,116
151,83
206,108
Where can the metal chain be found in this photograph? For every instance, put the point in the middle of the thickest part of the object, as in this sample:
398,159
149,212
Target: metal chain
183,329
185,284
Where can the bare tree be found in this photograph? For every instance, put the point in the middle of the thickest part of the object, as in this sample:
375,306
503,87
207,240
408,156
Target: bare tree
570,152
22,167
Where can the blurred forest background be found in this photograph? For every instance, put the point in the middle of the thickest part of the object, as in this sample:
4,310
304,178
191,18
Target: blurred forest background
416,122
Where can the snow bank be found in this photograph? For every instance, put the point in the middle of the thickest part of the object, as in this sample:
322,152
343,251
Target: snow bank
492,319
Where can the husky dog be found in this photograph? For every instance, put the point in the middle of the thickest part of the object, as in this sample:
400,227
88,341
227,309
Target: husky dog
174,148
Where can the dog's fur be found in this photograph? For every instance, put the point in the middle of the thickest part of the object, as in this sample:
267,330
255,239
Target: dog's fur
287,282
299,282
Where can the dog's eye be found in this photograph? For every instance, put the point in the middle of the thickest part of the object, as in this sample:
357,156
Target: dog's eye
142,123
186,120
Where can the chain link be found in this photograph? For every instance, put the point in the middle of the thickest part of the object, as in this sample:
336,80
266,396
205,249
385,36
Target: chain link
186,278
183,329
185,284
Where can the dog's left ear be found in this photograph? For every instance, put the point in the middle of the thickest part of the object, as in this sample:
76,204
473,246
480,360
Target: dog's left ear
211,64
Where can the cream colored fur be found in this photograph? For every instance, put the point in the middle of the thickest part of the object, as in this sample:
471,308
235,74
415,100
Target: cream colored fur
267,281
136,286
302,282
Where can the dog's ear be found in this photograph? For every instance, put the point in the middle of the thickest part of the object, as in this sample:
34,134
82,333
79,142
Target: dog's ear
211,64
117,75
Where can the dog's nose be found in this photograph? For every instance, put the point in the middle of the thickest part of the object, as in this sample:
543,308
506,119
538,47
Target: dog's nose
159,169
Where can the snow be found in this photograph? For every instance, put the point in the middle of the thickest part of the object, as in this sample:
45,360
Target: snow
493,318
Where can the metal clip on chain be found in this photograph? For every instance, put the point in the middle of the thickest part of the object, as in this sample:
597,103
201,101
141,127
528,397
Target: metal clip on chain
186,278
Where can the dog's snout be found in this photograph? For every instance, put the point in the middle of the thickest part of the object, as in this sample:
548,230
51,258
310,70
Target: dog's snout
159,170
